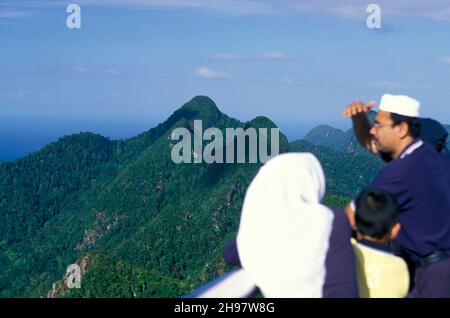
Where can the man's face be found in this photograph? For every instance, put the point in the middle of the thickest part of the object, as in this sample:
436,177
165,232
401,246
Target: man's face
384,133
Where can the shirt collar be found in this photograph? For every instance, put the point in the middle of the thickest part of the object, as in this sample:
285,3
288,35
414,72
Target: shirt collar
417,143
378,246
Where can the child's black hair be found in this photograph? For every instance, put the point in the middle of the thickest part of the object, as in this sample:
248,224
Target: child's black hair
376,213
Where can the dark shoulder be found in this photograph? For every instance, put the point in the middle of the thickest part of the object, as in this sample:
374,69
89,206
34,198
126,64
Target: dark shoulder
340,279
446,159
231,255
403,166
341,225
425,153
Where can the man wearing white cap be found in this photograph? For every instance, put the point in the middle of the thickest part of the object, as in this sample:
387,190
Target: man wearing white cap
419,177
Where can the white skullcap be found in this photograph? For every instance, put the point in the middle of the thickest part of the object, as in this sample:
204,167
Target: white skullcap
400,104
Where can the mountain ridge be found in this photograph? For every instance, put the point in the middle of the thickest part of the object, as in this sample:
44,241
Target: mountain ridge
159,224
344,141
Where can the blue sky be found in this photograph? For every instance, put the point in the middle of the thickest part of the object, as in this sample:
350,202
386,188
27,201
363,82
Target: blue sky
133,63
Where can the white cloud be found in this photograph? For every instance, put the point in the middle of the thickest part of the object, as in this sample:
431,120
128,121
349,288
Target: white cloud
287,80
80,69
343,9
401,86
227,56
427,86
83,70
276,55
390,85
349,9
356,9
14,94
353,9
8,14
208,73
446,60
227,6
111,95
112,72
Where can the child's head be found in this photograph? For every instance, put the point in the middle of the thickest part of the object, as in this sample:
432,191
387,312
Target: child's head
376,215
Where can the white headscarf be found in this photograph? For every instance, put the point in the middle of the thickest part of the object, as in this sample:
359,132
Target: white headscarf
284,230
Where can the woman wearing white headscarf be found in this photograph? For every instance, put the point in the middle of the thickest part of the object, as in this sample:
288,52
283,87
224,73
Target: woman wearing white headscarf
288,242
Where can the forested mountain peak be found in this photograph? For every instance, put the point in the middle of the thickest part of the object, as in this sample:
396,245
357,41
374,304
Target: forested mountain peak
154,228
199,107
262,122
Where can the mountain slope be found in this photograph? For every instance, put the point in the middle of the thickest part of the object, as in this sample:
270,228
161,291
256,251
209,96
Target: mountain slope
346,174
131,203
327,136
150,227
343,141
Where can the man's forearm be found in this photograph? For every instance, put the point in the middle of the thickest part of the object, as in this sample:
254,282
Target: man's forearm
361,126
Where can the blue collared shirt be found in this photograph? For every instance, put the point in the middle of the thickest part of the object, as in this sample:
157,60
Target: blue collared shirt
420,180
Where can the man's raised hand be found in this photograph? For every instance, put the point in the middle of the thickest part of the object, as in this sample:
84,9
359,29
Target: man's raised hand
357,107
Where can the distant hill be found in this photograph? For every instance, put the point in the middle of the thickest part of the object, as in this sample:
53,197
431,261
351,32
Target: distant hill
342,141
139,224
328,136
447,127
337,139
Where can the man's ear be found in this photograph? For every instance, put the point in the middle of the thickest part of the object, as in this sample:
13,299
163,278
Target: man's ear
395,230
351,216
403,128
